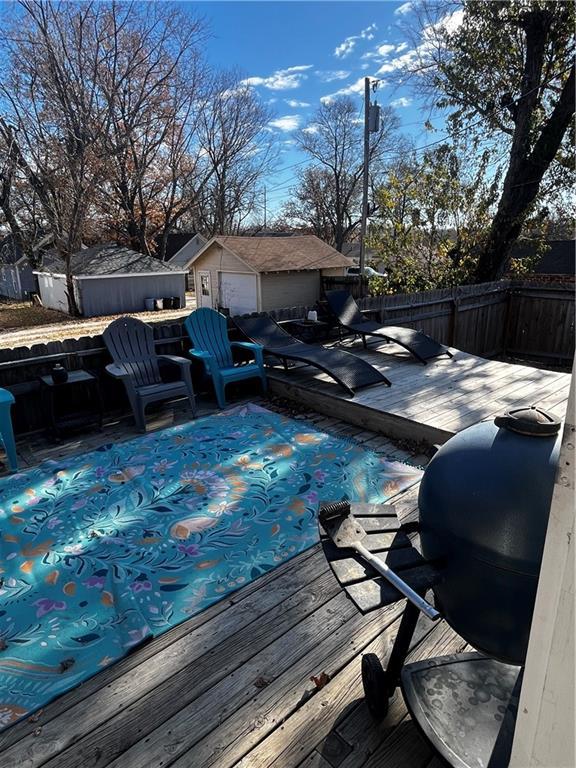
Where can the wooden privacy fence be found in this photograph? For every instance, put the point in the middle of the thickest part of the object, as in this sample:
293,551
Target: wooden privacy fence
525,320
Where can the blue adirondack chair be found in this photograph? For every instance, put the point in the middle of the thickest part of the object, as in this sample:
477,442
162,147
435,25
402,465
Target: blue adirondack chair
6,431
209,333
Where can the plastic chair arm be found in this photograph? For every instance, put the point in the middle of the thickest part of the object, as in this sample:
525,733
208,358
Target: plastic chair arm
208,360
257,349
180,361
119,371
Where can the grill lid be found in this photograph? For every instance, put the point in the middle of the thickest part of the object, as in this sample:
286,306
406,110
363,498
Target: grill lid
529,420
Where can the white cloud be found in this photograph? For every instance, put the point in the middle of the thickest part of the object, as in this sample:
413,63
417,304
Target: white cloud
403,9
384,50
282,79
401,102
352,89
399,62
327,76
310,129
346,48
286,123
294,103
429,40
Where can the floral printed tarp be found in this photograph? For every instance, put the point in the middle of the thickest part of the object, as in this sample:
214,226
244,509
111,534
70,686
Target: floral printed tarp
101,551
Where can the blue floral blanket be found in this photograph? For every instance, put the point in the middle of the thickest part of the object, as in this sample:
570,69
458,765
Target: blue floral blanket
102,550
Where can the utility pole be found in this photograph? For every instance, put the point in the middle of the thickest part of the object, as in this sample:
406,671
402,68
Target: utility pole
365,180
264,209
371,125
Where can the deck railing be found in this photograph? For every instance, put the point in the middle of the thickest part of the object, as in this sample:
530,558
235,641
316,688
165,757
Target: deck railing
525,320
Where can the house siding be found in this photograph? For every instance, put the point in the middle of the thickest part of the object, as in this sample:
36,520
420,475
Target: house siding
214,260
290,289
16,281
334,272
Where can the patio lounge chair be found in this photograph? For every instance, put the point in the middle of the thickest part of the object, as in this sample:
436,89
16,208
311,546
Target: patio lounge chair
349,316
348,370
208,331
139,368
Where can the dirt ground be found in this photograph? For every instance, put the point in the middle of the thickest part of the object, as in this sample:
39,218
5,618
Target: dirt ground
22,324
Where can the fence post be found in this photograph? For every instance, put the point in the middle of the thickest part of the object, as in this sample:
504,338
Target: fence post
455,301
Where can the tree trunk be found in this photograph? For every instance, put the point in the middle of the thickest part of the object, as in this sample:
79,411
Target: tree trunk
72,304
526,167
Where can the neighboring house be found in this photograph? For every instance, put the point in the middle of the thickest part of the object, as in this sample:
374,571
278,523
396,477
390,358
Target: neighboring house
558,261
181,256
17,279
255,274
109,279
180,246
371,257
189,246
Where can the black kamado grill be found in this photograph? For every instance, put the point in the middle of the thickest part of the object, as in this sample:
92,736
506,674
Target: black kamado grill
484,502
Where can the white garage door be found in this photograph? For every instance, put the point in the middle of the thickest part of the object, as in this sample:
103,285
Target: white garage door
238,293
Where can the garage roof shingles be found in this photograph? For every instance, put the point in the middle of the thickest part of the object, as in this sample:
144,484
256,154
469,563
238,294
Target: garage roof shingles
104,260
283,254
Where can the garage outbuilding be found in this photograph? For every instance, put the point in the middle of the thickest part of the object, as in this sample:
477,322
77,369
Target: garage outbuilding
257,274
108,280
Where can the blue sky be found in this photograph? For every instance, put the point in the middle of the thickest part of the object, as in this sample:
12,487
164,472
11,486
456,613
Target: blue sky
298,53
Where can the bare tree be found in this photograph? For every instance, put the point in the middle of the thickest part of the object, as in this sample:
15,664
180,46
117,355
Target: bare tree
328,198
238,152
156,91
54,114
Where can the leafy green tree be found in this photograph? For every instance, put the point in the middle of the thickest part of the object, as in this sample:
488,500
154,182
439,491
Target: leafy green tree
431,210
505,70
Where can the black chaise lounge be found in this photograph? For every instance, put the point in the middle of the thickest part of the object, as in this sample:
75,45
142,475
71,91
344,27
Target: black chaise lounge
343,306
348,370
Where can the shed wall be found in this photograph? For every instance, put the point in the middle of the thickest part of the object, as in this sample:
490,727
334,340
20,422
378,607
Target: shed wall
214,260
289,289
113,295
53,292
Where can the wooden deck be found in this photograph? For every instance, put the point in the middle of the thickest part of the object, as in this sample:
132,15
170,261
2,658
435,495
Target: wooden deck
426,402
233,685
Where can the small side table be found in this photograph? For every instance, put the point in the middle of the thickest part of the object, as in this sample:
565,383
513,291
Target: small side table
90,416
310,330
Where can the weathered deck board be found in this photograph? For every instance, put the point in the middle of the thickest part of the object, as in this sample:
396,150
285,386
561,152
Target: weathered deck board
231,686
431,402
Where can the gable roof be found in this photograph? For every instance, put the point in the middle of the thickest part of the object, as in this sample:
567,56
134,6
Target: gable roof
175,241
11,253
190,248
558,259
280,254
105,260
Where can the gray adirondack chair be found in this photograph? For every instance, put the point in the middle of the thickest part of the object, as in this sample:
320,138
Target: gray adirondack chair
140,369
